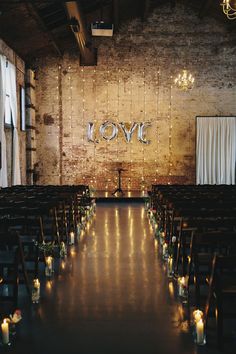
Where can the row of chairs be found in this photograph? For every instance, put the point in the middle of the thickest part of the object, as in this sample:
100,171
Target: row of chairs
29,217
199,224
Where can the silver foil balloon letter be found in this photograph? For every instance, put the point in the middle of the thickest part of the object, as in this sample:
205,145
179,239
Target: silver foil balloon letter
128,133
90,132
103,128
142,133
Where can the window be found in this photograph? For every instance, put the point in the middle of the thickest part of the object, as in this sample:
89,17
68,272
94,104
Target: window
22,108
8,116
8,119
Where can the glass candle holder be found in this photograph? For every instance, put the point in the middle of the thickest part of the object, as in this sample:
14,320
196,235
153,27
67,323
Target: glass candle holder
170,267
78,231
49,266
63,250
72,238
182,287
200,337
197,315
165,254
5,333
35,296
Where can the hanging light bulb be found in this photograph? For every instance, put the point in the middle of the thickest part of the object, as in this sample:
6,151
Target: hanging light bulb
229,9
184,81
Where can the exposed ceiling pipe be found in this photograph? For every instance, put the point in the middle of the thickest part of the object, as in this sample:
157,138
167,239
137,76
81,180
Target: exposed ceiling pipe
78,27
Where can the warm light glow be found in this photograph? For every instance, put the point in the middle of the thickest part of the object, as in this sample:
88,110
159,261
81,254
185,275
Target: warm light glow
184,81
49,285
171,289
229,9
197,315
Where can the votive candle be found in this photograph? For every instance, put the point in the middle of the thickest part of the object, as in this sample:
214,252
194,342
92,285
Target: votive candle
200,331
5,331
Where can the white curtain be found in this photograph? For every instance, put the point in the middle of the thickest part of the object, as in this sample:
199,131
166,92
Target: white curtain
16,177
216,150
3,170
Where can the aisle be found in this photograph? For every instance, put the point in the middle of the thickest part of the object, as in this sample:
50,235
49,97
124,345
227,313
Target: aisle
115,298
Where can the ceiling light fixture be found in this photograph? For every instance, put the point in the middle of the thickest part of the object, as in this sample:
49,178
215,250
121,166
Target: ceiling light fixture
229,9
184,81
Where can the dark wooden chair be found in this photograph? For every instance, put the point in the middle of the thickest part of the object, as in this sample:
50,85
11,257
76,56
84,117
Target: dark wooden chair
11,266
222,289
203,247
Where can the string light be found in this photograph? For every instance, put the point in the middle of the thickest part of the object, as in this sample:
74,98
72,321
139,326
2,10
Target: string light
118,112
107,114
60,123
170,133
157,114
144,107
83,110
131,118
94,116
71,114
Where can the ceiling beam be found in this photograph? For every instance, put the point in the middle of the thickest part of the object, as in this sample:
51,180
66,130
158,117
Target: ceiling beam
34,13
78,27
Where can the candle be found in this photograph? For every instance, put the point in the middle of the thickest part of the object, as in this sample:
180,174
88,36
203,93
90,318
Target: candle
182,286
49,261
63,250
170,266
36,291
5,332
200,331
72,238
164,248
48,268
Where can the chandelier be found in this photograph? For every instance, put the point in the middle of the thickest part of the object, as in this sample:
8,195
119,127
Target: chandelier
184,81
229,9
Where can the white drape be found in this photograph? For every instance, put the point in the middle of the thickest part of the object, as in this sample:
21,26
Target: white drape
3,170
16,177
216,150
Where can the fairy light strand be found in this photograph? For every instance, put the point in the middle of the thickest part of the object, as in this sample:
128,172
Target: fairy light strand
157,126
170,132
131,119
107,114
60,124
83,112
144,107
94,116
71,111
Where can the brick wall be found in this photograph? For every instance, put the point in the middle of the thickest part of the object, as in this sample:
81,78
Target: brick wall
133,82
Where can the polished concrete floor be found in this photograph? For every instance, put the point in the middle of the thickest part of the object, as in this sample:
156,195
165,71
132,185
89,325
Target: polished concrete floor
111,296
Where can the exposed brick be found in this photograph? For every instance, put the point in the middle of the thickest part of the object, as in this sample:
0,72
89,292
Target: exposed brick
48,119
126,86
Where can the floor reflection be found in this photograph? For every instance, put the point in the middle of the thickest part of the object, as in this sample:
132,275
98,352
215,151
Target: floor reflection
114,263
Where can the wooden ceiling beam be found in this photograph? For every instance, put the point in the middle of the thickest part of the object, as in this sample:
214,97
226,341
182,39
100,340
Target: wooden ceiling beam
35,14
79,29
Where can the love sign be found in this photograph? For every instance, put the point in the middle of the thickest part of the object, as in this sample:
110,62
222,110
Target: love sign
109,131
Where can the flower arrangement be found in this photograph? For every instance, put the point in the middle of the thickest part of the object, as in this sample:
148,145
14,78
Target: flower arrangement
16,317
52,249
